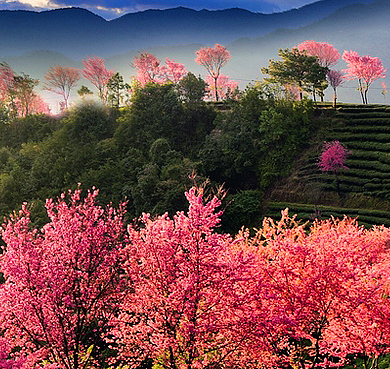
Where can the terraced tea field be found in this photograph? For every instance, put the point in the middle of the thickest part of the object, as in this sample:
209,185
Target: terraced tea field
363,190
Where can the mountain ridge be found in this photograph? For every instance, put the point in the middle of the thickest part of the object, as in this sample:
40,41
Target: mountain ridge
77,32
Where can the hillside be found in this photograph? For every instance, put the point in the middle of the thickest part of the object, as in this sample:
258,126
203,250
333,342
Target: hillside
364,188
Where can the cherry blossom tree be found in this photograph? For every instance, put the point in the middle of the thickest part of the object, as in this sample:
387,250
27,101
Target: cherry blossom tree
150,69
21,94
17,93
384,90
6,79
31,103
61,80
335,79
61,282
225,86
95,72
333,158
189,288
366,69
326,53
213,59
324,279
173,71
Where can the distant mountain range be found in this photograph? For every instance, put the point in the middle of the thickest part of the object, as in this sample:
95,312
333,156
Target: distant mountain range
32,42
77,32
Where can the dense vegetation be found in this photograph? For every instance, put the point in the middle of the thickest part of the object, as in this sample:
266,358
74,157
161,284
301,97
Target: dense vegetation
148,152
264,150
362,189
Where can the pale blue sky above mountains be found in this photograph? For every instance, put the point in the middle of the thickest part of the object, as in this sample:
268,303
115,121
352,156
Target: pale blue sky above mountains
114,8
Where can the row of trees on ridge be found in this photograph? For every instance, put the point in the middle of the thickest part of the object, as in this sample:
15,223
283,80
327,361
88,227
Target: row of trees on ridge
305,68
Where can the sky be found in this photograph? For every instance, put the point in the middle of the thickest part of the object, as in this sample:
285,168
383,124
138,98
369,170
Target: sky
110,9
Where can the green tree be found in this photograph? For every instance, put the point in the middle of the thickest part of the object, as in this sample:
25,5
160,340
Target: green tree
84,91
297,68
21,93
116,89
192,89
155,112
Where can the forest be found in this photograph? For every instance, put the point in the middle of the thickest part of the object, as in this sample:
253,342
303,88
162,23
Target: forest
135,236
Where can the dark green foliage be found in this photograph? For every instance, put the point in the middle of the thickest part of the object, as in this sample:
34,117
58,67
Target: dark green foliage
89,122
32,128
191,89
297,69
147,153
243,209
155,112
116,90
257,142
161,182
84,91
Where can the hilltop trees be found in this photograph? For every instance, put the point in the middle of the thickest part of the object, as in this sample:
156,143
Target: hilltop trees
297,68
61,80
191,89
149,69
116,89
6,79
366,69
213,59
226,87
173,71
326,53
335,79
17,93
95,72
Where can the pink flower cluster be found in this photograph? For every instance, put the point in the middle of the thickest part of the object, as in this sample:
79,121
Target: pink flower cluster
178,292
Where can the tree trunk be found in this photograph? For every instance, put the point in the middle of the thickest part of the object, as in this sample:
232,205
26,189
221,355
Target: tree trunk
216,88
361,91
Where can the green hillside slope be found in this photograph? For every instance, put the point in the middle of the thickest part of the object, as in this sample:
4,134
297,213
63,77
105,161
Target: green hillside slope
364,188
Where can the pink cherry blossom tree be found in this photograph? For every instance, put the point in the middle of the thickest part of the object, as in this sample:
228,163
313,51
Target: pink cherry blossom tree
366,69
61,80
95,72
6,79
61,282
150,69
333,158
335,79
324,280
172,71
190,286
213,59
326,53
224,85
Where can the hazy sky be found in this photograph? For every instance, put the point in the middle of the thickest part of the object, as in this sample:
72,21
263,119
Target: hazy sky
113,8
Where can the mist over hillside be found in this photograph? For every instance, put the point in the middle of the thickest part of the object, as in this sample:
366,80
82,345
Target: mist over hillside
32,42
